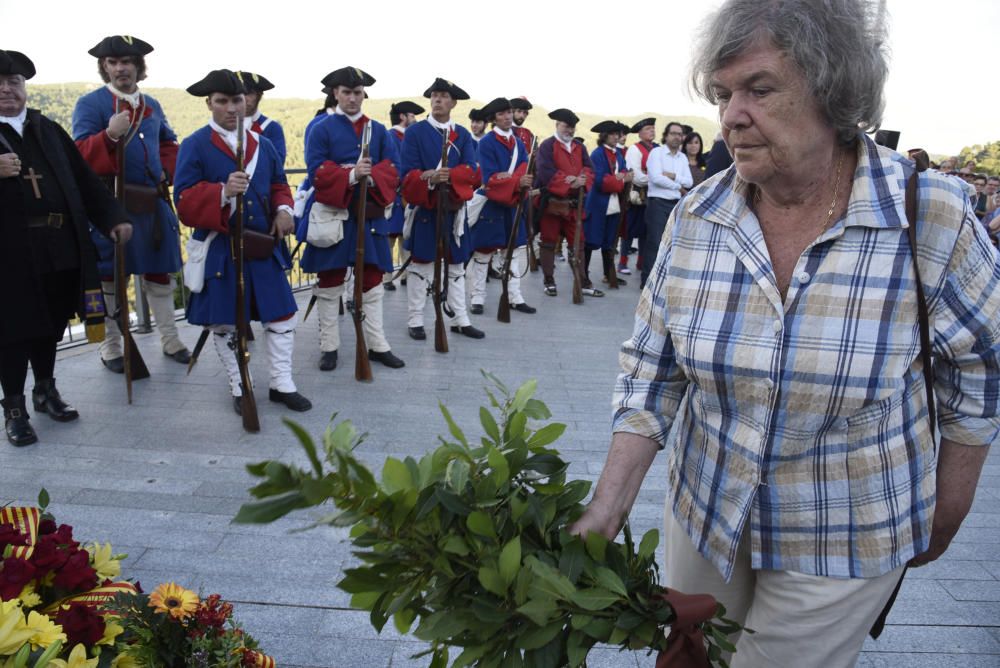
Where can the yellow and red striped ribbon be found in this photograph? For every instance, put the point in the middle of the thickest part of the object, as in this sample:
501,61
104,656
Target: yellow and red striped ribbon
25,521
94,598
258,660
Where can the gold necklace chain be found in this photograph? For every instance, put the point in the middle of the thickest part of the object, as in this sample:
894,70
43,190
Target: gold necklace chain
757,195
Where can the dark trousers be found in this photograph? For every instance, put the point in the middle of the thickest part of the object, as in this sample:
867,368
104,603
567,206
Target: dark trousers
657,212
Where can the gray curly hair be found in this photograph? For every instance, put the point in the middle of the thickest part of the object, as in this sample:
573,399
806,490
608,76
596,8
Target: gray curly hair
839,46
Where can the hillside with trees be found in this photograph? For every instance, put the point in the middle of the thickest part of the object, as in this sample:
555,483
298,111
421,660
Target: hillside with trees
986,157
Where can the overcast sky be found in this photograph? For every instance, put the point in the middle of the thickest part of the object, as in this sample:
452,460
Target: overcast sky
938,95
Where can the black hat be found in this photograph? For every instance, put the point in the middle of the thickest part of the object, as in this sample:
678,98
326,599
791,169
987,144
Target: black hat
120,45
254,83
520,103
406,107
605,126
565,116
495,106
476,115
226,82
643,123
351,77
623,129
444,86
15,62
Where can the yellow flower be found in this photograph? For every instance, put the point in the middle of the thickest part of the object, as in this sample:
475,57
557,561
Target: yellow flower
112,629
181,603
14,632
77,659
106,564
125,661
45,630
29,599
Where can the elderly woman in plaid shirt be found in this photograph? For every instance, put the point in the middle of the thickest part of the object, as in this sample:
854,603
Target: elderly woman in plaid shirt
778,341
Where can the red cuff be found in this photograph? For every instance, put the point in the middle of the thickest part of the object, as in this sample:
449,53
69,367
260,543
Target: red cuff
464,181
505,190
590,177
199,206
611,184
281,195
332,183
558,186
416,192
99,152
168,158
386,180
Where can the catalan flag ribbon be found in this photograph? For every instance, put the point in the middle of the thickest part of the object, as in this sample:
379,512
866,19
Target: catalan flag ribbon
257,660
95,598
25,522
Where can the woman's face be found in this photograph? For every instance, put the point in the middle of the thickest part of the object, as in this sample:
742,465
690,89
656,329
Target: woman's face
770,121
693,147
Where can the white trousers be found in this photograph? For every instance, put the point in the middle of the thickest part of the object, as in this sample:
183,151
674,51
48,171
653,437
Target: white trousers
161,303
279,340
420,276
806,621
480,266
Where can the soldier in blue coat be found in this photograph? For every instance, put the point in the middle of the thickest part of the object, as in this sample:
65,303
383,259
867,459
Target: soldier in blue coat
422,173
603,204
118,114
206,185
331,226
503,161
255,85
402,115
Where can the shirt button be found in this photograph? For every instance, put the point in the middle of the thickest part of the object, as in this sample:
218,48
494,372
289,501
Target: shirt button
778,325
768,383
804,277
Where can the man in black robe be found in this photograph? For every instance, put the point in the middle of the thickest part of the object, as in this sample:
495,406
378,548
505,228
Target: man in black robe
47,262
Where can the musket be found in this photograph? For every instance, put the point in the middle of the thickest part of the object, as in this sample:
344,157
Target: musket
248,404
503,309
202,338
613,273
362,366
135,366
440,241
578,250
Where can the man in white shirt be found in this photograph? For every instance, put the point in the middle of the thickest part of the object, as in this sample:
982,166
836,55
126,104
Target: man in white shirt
668,172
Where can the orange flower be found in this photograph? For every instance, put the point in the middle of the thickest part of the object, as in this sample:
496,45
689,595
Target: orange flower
171,598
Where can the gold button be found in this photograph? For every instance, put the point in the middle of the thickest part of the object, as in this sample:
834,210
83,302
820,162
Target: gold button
218,274
250,218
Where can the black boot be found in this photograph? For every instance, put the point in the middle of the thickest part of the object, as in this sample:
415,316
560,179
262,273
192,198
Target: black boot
19,431
45,398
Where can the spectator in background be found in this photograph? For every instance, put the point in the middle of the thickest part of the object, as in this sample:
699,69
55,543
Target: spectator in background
992,186
693,148
719,157
979,200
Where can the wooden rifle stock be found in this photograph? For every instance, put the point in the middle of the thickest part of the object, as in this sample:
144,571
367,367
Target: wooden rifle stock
135,366
503,309
248,403
578,250
362,365
440,248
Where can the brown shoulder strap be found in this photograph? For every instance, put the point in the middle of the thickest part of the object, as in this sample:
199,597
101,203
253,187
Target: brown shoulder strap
923,315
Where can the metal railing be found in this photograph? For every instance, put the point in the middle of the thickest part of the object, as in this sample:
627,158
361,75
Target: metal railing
139,308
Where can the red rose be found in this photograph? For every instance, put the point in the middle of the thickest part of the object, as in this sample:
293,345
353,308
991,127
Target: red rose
13,576
76,574
46,527
81,624
10,536
48,556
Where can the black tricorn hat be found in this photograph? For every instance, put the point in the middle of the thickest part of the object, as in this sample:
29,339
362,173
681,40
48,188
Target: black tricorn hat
444,86
606,126
520,103
120,45
15,62
254,82
495,106
406,107
623,129
643,123
226,82
352,77
476,115
564,116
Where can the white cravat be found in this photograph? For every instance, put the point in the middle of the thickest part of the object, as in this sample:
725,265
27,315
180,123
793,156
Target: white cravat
399,128
504,133
449,125
131,98
352,119
16,122
228,136
568,145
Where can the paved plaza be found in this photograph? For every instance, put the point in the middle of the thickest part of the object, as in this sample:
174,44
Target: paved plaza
161,479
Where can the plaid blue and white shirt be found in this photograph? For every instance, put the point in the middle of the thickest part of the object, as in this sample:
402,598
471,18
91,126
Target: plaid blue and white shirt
804,420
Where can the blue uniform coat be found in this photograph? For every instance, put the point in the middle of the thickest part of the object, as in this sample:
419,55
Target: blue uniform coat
496,219
600,229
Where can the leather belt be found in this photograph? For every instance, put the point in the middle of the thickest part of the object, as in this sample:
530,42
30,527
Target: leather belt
53,220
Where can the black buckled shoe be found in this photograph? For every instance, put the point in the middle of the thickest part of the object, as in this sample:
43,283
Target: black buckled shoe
469,331
391,287
476,309
386,358
45,398
328,361
417,333
19,431
293,400
550,290
524,308
115,365
182,356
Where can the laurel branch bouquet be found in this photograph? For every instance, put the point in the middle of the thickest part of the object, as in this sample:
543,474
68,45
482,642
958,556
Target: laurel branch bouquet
467,547
65,605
